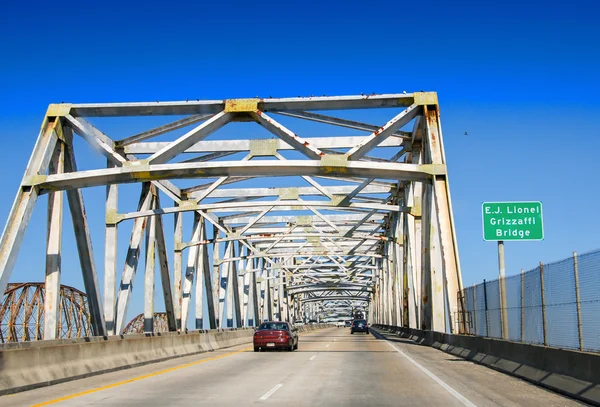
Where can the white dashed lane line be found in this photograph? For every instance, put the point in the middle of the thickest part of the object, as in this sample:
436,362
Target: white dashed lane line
271,392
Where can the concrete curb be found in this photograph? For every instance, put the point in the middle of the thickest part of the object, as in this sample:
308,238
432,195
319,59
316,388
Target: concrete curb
572,373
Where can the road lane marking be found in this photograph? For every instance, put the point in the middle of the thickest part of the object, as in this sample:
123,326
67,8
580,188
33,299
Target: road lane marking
271,392
439,381
313,357
135,379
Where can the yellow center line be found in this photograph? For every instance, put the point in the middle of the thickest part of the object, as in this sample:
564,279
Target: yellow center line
135,379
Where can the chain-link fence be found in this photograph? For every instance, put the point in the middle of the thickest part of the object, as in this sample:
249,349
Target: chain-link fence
555,304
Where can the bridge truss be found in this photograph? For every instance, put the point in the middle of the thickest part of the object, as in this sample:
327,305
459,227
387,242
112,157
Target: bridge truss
22,313
279,220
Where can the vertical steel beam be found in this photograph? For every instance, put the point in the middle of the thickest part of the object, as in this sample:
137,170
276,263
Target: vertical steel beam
260,291
265,301
204,266
391,283
414,236
242,292
277,297
411,297
110,253
293,308
199,286
84,246
53,248
255,295
223,287
217,274
246,306
283,296
149,274
25,200
177,264
269,294
449,267
407,283
401,278
434,292
381,290
190,271
245,290
234,291
165,275
131,262
426,306
373,297
273,287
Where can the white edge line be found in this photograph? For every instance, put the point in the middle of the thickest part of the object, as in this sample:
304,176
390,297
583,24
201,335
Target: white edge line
439,381
313,357
271,392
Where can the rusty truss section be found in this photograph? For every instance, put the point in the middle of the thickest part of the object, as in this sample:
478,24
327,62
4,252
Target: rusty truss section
136,325
22,313
280,208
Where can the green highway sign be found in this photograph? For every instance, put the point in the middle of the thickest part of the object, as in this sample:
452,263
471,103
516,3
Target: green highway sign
512,221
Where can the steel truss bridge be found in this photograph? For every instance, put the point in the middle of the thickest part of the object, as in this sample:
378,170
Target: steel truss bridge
291,207
22,313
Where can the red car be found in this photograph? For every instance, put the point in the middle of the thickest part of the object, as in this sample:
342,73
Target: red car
275,335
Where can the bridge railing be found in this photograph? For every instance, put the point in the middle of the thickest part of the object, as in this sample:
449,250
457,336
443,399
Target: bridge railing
555,304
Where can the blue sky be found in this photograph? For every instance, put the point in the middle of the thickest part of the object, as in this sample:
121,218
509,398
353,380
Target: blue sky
519,77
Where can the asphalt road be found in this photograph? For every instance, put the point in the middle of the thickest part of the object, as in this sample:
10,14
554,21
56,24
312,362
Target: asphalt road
330,368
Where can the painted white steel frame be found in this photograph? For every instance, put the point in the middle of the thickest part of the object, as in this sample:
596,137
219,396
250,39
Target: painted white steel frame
381,239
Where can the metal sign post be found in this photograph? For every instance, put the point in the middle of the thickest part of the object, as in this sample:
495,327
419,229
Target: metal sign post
502,288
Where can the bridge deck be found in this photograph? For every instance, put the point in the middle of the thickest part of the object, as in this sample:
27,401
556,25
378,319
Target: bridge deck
331,368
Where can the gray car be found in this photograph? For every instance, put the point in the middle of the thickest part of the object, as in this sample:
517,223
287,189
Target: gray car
359,325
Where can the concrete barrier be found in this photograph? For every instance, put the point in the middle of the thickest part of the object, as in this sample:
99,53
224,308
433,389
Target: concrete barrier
573,373
28,365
